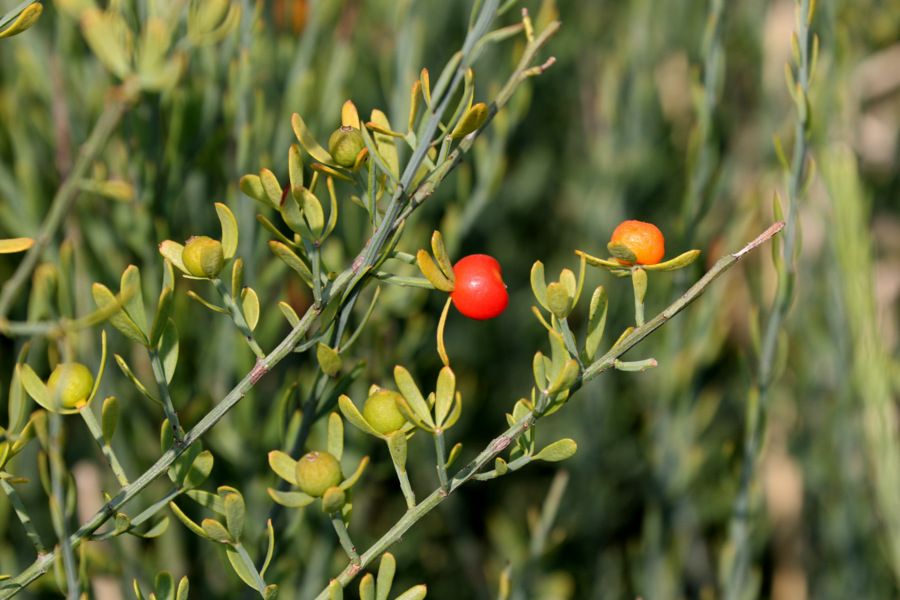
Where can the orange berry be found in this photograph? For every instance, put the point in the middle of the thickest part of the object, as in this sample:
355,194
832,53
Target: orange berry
644,239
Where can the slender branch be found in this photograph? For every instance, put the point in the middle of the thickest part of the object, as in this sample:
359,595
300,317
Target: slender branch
65,197
500,443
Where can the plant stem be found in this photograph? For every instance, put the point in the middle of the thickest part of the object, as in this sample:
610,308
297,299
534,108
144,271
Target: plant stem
159,373
64,198
94,427
22,513
441,452
237,316
346,542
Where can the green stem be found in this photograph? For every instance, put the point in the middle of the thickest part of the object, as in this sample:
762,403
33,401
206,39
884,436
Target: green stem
440,449
159,374
346,542
510,435
11,587
64,198
97,432
237,316
57,506
405,486
22,513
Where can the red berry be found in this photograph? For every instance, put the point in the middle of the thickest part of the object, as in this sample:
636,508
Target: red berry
479,292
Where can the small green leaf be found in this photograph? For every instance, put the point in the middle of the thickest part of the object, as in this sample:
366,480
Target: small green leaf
471,121
356,474
397,446
454,454
622,252
289,313
238,560
432,272
566,378
386,570
385,144
283,465
183,588
539,366
168,350
34,386
273,189
500,466
252,186
444,393
679,262
216,531
13,245
367,587
639,281
270,535
333,500
164,586
413,396
335,444
352,414
196,529
313,218
104,299
229,230
237,278
596,323
442,256
163,310
122,524
235,512
329,360
308,141
539,284
173,251
130,290
335,591
414,593
295,166
599,262
559,450
155,531
292,260
635,365
271,592
199,470
250,307
559,301
290,499
24,21
109,418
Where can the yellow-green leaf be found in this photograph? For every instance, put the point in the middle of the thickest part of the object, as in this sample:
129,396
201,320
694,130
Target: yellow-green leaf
229,230
250,306
12,245
24,21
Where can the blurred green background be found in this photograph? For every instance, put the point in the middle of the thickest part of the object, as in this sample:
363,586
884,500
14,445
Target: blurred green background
604,135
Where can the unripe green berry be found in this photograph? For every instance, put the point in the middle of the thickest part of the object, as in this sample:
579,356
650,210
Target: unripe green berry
72,383
203,257
318,471
345,144
381,412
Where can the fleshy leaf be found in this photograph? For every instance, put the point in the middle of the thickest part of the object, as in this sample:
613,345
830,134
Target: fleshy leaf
292,260
109,417
335,436
104,299
596,323
309,142
432,272
413,396
283,465
12,245
352,414
290,499
168,349
250,306
24,21
235,513
539,284
559,450
252,186
173,251
229,230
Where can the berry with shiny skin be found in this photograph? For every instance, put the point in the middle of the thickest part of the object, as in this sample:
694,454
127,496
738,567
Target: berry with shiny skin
72,382
479,292
317,471
645,240
381,412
